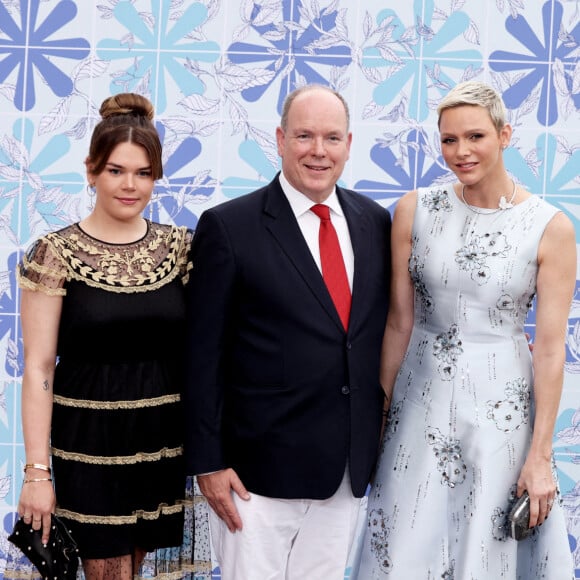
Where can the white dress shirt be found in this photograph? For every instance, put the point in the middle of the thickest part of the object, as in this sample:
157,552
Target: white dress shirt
309,224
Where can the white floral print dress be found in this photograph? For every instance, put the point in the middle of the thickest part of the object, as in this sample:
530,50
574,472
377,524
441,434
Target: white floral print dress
460,422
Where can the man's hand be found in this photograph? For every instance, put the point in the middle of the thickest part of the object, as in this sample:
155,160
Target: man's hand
217,488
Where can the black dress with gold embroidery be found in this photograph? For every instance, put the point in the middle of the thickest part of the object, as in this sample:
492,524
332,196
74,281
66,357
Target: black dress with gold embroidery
117,426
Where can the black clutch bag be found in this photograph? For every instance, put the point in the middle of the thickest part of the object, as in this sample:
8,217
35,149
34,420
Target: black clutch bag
519,518
57,559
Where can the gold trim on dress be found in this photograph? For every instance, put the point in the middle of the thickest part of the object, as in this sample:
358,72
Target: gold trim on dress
26,284
117,405
162,510
141,457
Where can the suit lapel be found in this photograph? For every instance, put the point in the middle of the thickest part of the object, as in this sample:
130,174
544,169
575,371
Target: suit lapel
282,224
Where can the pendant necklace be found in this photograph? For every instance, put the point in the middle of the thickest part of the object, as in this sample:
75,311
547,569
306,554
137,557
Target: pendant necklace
503,202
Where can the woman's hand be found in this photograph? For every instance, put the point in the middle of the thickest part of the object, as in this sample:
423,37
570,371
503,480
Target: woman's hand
37,501
536,477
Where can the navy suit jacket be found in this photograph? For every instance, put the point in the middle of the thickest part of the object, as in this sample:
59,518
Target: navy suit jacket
276,388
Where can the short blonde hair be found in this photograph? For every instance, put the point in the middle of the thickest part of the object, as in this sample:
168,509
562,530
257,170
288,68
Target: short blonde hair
478,94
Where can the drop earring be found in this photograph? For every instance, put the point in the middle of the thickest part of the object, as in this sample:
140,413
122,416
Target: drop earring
92,191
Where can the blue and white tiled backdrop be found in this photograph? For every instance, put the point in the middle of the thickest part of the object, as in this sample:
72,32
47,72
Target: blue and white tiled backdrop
217,72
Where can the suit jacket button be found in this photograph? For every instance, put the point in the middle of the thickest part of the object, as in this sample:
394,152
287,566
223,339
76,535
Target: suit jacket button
345,390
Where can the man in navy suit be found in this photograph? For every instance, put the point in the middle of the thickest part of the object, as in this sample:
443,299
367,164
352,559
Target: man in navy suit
283,402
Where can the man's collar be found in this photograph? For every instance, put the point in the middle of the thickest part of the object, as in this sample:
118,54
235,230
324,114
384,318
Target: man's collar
300,203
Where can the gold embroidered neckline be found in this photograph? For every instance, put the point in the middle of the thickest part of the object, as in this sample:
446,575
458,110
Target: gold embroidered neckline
118,244
143,265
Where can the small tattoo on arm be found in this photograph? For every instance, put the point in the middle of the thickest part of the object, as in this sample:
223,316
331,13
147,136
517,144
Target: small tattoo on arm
45,385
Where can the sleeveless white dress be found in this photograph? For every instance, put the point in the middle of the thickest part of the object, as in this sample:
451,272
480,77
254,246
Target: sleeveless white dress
461,418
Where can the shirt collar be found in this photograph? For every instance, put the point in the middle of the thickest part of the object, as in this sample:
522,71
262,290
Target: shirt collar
300,204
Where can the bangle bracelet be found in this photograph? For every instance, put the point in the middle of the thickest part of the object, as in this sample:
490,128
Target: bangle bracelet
35,479
40,466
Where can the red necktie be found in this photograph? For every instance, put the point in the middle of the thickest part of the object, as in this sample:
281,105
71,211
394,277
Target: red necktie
333,269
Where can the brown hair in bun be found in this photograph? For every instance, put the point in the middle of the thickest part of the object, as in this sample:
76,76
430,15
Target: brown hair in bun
126,118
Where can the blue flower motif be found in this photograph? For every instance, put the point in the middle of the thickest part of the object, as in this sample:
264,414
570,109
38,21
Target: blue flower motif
173,194
572,364
540,61
254,156
419,173
566,443
9,322
160,49
556,179
27,47
306,38
31,198
413,48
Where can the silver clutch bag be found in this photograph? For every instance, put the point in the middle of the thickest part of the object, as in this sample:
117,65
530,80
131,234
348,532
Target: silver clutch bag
519,518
